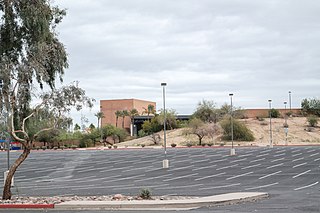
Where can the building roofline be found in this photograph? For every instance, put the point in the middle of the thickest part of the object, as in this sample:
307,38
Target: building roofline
128,99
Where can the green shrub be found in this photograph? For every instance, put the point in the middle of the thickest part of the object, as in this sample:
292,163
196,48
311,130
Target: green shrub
274,113
240,131
115,146
37,147
173,145
62,147
145,194
143,145
312,120
210,144
189,144
141,133
55,148
73,146
109,146
43,147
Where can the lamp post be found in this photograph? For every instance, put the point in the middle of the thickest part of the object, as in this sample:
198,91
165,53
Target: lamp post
290,100
285,122
271,144
165,163
232,151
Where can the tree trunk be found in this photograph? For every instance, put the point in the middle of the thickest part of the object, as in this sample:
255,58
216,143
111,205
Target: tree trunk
7,186
116,121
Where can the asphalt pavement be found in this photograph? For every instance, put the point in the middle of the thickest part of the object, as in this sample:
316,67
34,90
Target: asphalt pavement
291,175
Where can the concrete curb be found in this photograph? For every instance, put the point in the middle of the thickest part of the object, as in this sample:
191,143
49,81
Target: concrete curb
26,206
223,199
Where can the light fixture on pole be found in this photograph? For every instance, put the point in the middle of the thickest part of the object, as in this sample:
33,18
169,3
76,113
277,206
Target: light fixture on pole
271,144
165,163
232,151
285,122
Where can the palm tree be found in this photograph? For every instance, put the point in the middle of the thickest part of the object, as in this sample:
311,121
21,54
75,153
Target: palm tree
124,114
118,114
149,110
99,115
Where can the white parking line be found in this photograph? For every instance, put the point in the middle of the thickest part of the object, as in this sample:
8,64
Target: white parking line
301,174
314,154
181,187
139,187
303,187
316,159
264,186
296,155
269,167
311,150
226,167
247,167
298,159
180,168
238,160
151,178
205,167
206,177
261,159
279,155
180,177
233,177
258,156
219,187
301,164
269,175
277,160
200,161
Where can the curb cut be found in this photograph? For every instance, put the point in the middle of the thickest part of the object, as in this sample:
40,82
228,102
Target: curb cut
26,206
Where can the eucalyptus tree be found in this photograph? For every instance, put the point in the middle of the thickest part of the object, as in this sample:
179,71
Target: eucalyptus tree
31,60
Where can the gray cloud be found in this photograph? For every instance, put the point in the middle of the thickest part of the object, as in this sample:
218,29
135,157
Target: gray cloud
203,49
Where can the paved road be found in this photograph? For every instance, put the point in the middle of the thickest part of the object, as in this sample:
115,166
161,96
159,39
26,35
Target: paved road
290,174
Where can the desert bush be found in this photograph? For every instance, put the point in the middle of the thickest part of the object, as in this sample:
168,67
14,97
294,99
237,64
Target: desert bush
37,147
240,131
260,118
143,145
55,148
274,113
141,133
109,147
62,147
115,146
173,145
43,147
155,138
312,120
73,146
145,194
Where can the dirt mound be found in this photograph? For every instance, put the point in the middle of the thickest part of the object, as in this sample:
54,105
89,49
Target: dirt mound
298,133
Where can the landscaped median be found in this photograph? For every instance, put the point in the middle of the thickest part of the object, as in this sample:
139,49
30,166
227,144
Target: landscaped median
183,204
105,203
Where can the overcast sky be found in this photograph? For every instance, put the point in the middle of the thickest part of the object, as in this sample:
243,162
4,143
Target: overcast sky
203,49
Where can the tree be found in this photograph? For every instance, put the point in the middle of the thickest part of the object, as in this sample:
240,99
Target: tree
207,112
30,55
240,130
311,106
150,110
171,119
99,115
118,114
77,127
124,114
91,127
274,113
58,103
198,128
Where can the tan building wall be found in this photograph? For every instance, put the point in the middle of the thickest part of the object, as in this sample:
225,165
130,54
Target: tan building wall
109,107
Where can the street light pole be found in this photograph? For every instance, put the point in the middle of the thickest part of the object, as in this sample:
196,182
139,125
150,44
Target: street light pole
285,122
232,151
165,163
290,100
271,144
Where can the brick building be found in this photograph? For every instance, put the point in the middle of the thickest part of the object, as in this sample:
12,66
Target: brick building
109,108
